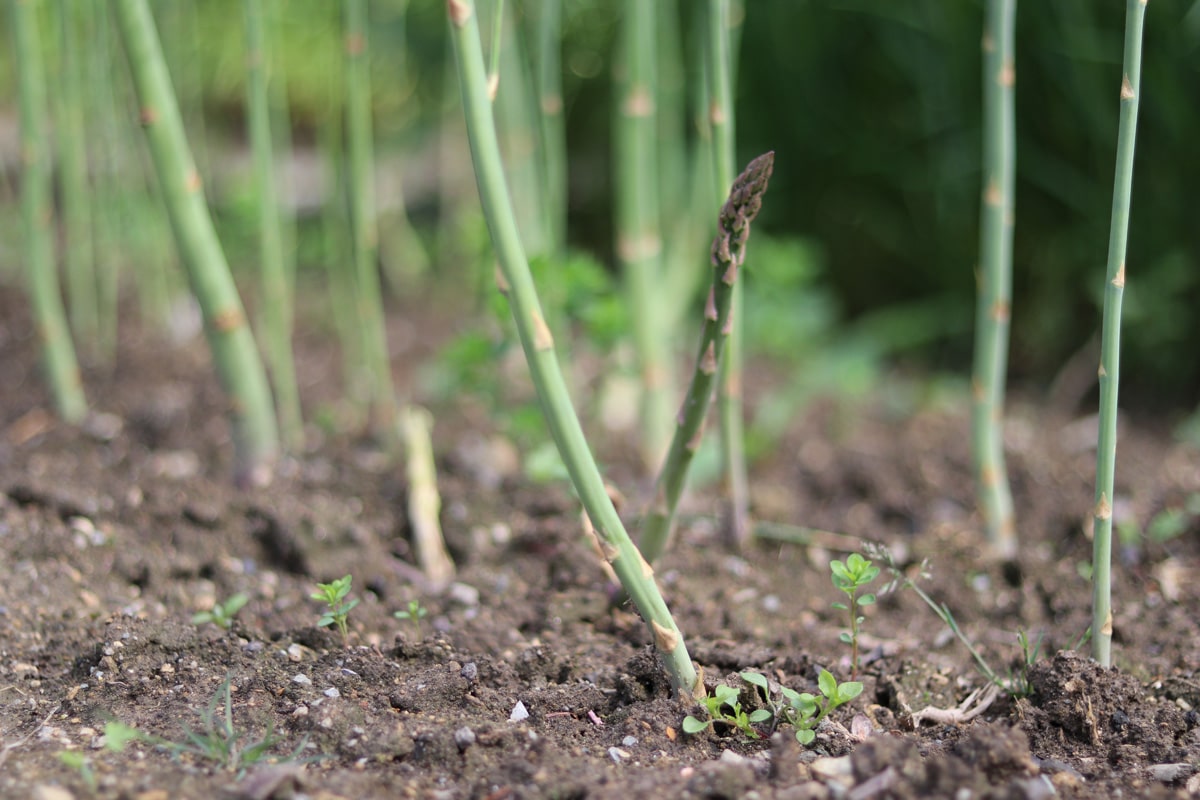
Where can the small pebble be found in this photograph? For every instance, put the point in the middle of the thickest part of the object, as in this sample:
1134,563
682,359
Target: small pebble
464,737
629,741
1169,773
617,754
302,679
332,691
519,712
470,672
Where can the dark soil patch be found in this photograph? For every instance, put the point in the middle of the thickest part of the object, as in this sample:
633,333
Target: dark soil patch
113,535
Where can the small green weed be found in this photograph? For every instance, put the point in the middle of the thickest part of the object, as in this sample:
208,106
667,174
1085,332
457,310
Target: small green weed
848,578
1017,684
219,741
413,613
727,697
333,595
803,710
222,614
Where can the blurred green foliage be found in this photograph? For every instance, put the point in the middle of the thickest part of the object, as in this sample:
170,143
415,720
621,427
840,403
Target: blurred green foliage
873,109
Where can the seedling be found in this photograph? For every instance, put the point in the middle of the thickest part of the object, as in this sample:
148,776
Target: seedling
333,594
222,614
848,578
219,741
727,697
804,711
414,612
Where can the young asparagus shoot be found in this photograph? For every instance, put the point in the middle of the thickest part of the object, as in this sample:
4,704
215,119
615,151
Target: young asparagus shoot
635,575
728,254
848,578
995,278
337,607
58,351
235,353
222,614
1110,339
724,706
413,614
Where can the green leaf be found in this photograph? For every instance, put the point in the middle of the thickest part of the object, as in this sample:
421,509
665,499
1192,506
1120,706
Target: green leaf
848,691
761,715
805,736
839,571
827,684
866,600
693,725
755,679
845,638
118,734
841,606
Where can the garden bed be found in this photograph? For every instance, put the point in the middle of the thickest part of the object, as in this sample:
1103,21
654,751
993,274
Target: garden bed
528,677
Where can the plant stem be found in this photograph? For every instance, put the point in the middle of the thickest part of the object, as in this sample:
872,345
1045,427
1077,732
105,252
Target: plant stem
995,279
728,253
79,255
721,112
1110,342
276,292
553,162
238,364
639,239
361,184
62,368
635,574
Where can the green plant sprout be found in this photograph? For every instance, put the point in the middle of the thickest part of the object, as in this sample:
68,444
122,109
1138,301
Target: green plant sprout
413,613
333,594
1017,684
116,736
219,741
728,697
222,614
848,577
803,710
1110,337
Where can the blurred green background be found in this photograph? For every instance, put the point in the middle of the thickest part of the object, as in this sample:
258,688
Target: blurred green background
873,109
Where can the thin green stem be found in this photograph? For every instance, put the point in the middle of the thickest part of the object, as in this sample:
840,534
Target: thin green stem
62,368
635,574
79,255
553,161
721,112
728,253
1110,341
276,291
361,183
237,361
995,278
639,238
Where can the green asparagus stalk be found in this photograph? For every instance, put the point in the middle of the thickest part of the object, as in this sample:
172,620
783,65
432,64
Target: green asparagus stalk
83,291
635,574
237,361
361,184
553,161
103,149
276,290
728,254
62,369
402,252
1110,340
995,279
639,239
720,70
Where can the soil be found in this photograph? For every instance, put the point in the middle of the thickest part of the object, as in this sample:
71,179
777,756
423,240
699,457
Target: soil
113,534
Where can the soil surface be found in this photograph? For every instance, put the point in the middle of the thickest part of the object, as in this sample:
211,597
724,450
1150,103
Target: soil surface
529,677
